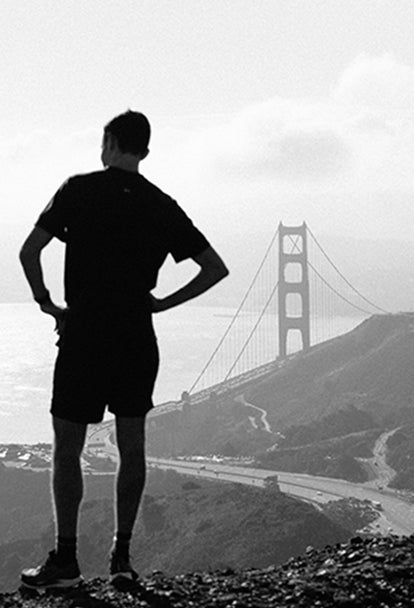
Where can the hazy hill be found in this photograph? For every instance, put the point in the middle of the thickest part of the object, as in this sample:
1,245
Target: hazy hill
361,380
401,457
337,457
371,368
325,407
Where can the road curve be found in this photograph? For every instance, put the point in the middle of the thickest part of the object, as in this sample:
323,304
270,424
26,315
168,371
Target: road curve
397,513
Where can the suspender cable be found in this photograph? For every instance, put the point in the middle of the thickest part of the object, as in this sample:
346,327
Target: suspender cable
343,277
236,314
252,331
337,292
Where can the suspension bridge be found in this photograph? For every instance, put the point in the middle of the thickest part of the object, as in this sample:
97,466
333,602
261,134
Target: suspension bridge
297,298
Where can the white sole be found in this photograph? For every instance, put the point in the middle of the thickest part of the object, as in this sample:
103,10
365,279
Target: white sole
123,576
63,583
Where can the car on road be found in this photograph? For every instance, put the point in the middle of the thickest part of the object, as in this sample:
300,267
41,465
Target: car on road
271,481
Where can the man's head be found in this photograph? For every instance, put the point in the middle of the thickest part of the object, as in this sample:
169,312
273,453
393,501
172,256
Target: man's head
126,135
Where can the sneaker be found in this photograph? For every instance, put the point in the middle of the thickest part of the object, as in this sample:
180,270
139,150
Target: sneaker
121,569
52,575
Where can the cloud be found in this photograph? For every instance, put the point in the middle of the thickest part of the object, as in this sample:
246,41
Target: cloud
277,140
345,162
377,82
326,161
355,133
313,153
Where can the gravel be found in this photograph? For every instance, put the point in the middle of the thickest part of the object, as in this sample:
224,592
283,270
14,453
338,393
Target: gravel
371,572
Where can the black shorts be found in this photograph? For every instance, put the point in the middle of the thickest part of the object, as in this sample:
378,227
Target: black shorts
108,357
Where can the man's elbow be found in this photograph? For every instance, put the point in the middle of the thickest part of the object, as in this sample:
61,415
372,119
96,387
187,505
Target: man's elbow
27,253
224,272
23,255
219,272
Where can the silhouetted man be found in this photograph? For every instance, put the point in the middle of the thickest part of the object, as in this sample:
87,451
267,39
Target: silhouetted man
118,229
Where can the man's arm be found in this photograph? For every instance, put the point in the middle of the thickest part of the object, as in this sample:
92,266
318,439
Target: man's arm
30,260
212,270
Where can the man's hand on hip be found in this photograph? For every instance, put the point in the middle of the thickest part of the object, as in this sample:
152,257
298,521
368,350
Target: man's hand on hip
57,312
157,304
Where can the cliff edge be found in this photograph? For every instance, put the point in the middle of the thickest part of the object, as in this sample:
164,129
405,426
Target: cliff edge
365,573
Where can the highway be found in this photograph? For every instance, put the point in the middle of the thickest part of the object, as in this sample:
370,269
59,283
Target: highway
397,513
397,516
245,475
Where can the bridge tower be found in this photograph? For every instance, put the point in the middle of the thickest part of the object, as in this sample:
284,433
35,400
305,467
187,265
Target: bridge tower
298,257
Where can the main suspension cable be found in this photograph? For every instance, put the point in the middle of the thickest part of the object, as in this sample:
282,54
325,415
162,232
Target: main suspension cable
343,277
337,292
233,320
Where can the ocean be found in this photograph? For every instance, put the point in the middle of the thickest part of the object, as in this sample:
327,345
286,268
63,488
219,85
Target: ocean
187,336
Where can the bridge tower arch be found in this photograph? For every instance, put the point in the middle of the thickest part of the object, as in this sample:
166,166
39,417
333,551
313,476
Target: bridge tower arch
298,255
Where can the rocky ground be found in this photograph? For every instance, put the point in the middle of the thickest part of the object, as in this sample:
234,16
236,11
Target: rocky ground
365,573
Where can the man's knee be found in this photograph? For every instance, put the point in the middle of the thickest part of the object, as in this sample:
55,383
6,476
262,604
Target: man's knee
130,435
133,456
69,439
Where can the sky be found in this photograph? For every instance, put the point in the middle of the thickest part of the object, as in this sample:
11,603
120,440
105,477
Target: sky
262,110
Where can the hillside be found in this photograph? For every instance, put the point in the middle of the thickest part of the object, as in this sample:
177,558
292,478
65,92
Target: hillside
182,526
338,457
401,457
362,573
371,368
315,404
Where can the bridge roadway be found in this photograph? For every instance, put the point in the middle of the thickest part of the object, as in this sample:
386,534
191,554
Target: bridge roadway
396,517
221,388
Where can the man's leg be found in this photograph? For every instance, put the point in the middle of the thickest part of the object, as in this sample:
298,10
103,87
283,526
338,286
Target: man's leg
67,482
130,434
61,567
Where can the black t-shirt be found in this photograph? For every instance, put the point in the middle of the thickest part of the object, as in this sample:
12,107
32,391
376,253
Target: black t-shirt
118,228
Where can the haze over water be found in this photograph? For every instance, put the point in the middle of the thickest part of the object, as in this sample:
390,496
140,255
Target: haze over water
187,336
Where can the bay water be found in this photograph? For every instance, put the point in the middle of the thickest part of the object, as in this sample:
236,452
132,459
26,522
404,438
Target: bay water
187,336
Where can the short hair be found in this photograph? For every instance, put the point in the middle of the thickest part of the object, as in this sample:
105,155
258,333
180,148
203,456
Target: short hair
132,131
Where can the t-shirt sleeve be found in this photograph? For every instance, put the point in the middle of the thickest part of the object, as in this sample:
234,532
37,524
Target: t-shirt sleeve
54,217
185,240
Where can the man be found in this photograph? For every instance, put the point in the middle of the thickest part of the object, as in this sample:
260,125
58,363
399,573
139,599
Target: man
118,229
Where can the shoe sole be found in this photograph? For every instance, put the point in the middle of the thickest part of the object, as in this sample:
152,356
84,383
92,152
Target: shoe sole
62,583
123,576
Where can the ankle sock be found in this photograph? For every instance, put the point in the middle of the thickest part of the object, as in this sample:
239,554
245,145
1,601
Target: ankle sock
66,550
121,544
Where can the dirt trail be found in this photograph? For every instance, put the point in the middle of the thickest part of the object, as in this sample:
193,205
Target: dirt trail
258,422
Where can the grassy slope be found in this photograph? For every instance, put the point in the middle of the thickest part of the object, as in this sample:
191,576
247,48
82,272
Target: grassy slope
369,370
371,367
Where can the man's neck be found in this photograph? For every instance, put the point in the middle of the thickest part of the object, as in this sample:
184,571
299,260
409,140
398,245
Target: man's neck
127,163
